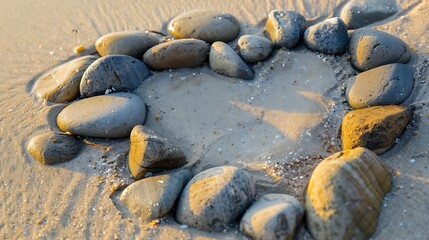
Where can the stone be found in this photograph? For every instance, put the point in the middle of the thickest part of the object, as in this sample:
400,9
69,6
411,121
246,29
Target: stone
345,195
384,85
51,148
254,48
149,152
106,116
61,84
131,43
285,28
358,13
273,216
207,25
375,128
215,198
329,36
154,197
370,48
225,61
183,53
113,73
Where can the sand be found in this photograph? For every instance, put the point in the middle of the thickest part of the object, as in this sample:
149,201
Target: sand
278,126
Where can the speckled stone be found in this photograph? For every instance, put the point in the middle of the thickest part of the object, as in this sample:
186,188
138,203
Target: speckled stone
359,13
254,48
285,28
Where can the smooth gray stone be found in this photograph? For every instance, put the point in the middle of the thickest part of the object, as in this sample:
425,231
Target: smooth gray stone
359,13
370,48
51,148
273,216
254,48
154,197
225,61
285,28
106,116
385,85
113,73
215,198
207,25
131,43
61,84
329,36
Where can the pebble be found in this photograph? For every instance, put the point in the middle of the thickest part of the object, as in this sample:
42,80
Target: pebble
254,48
154,197
215,198
375,128
113,73
225,61
131,43
207,25
106,116
370,48
329,36
345,195
273,216
149,152
384,85
183,53
285,28
51,148
61,84
358,13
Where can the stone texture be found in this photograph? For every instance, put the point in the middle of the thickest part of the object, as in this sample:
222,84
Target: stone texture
370,48
273,216
113,73
254,48
207,25
184,53
329,36
345,194
375,128
215,198
61,84
225,61
384,85
149,152
51,148
154,197
285,28
107,116
359,13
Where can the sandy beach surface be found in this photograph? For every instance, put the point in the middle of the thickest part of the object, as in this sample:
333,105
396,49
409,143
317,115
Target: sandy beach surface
277,126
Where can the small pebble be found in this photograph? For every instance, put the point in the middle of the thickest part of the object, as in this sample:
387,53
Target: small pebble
254,48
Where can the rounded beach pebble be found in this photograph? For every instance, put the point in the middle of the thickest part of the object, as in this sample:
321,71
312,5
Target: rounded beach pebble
107,116
384,85
61,84
273,216
358,13
113,73
225,61
254,48
183,53
370,48
215,198
51,148
207,25
285,28
329,36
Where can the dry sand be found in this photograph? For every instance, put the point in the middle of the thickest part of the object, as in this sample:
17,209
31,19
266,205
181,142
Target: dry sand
278,126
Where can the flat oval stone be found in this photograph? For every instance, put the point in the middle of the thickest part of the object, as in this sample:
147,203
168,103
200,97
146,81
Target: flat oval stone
285,28
359,13
61,84
370,48
254,48
225,61
113,73
384,85
329,36
131,43
207,25
184,53
107,116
